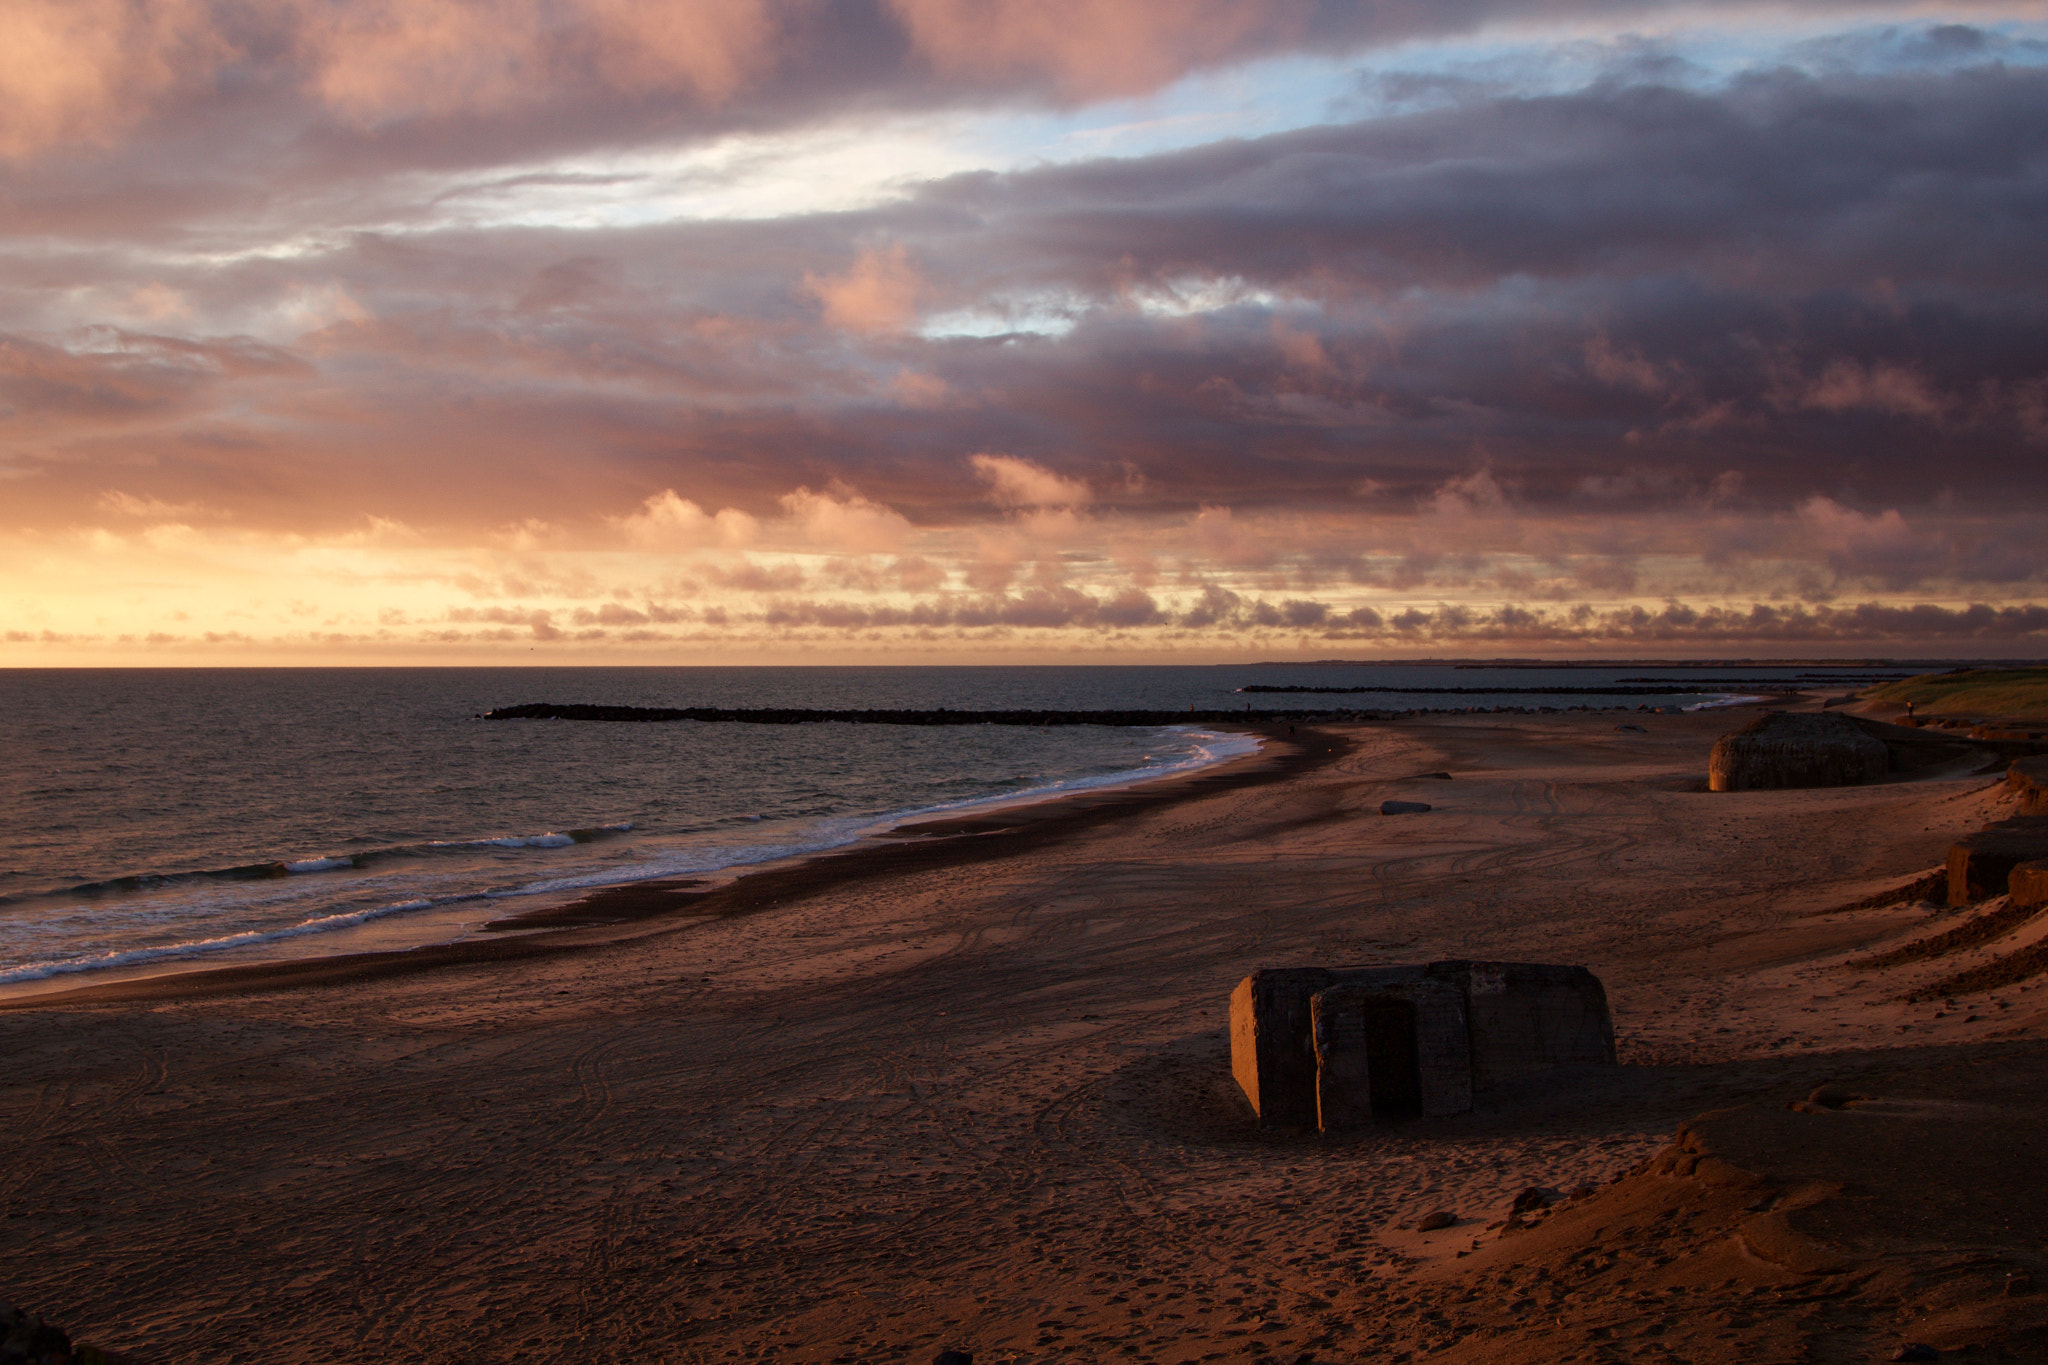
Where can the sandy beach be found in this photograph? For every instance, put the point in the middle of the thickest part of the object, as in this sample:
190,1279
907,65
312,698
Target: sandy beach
971,1089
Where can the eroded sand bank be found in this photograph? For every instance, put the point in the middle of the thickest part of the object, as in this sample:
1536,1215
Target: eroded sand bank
985,1102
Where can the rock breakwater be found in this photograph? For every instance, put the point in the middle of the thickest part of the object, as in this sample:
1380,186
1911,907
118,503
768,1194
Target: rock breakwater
784,715
787,715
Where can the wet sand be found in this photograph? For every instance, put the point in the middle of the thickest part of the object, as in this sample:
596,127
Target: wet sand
973,1091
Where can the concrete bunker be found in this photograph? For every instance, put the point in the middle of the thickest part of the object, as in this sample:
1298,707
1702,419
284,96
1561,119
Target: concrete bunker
1339,1048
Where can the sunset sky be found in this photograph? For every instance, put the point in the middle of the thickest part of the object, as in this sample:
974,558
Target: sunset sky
905,331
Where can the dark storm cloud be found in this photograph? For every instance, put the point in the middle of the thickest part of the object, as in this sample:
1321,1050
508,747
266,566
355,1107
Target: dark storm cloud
113,375
1829,284
1840,272
1649,293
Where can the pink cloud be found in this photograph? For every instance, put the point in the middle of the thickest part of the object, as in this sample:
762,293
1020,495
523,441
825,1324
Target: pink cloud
878,293
669,521
1895,389
840,518
1882,546
1093,48
1026,483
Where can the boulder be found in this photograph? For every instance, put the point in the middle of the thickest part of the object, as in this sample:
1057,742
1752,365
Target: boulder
1404,807
1981,865
2027,779
1795,749
2027,884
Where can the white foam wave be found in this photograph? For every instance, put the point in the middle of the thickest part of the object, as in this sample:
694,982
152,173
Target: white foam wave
1207,748
318,864
1715,703
1196,749
552,839
164,952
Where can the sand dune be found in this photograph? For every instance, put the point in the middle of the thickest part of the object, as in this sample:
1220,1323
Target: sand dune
983,1100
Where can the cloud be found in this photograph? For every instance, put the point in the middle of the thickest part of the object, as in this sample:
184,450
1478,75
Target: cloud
877,294
915,573
80,70
841,519
374,60
669,521
1894,389
1477,494
1883,547
129,505
89,71
1094,48
107,373
1223,540
1026,483
748,576
461,266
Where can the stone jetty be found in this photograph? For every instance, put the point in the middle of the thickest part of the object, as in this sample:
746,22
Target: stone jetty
789,715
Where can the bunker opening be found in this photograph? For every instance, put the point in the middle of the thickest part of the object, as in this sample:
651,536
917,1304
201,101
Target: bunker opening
1393,1073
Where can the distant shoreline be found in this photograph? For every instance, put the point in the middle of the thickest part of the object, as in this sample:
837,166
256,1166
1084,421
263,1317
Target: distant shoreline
609,914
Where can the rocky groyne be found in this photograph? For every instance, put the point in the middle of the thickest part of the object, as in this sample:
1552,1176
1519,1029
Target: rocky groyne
787,715
1717,689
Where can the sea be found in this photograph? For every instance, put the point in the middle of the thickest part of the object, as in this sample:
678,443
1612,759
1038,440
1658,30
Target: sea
171,819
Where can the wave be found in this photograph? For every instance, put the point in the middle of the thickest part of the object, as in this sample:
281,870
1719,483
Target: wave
130,957
1715,703
1204,749
1209,748
139,882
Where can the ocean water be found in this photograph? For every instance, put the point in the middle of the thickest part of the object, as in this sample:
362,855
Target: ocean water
168,819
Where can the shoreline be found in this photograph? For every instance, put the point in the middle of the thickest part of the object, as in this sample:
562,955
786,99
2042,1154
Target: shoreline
437,916
577,921
970,1088
451,920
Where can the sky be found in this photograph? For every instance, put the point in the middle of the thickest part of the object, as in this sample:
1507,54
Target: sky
1021,331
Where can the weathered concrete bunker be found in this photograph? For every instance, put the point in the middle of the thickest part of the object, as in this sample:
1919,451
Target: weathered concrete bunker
1336,1048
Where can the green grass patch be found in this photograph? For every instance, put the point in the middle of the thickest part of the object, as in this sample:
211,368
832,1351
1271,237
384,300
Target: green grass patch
2018,692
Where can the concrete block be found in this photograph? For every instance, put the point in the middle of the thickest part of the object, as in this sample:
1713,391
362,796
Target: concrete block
1336,1048
2027,779
1390,1050
1980,864
1795,749
2027,884
1527,1017
1272,1050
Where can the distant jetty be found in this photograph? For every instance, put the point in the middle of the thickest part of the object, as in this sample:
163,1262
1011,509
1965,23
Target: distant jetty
1619,690
784,715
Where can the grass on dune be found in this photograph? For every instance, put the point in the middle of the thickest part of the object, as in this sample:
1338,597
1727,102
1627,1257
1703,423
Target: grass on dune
2017,692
